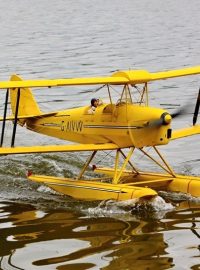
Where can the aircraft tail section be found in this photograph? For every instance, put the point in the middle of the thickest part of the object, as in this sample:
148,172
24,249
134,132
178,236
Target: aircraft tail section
27,103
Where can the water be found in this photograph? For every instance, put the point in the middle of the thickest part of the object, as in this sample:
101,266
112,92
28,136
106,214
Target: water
41,229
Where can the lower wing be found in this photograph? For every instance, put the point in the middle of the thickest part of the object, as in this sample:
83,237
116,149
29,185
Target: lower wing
57,148
185,132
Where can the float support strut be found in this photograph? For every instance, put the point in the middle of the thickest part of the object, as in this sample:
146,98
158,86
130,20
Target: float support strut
117,174
86,165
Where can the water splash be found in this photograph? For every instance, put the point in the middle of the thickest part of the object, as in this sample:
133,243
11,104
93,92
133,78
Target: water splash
179,197
154,208
48,190
112,207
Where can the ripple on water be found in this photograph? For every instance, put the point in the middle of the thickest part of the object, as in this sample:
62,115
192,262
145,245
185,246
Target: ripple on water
19,188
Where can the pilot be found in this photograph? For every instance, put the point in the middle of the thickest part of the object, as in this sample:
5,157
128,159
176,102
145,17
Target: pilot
99,102
94,104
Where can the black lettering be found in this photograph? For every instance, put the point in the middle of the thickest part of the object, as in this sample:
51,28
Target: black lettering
71,126
62,126
79,126
68,126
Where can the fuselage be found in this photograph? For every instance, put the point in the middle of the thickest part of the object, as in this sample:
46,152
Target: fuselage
123,124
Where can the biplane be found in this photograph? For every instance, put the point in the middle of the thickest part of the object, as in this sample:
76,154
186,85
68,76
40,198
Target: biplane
123,127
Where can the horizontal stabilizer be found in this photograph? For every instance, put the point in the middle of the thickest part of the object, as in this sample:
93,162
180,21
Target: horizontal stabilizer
11,118
56,148
185,132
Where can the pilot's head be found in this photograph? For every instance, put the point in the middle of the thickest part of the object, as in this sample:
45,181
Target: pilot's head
94,102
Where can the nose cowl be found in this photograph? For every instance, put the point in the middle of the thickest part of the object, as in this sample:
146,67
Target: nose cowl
166,118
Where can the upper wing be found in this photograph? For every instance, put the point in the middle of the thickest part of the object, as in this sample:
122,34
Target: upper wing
143,76
62,82
120,77
56,148
185,132
175,73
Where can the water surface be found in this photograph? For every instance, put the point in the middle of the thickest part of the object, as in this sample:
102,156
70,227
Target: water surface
60,39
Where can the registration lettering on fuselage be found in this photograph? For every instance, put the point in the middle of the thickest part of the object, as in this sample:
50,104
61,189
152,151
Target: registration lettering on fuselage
72,126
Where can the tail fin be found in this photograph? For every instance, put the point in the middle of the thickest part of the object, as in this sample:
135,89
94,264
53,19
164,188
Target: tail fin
27,104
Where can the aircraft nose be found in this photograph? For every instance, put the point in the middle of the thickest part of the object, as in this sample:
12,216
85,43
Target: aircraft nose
166,118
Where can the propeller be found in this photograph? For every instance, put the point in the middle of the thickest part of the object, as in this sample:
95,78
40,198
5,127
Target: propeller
196,111
165,118
184,109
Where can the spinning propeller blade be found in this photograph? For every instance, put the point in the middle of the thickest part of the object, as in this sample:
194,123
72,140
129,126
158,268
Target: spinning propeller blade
196,111
184,110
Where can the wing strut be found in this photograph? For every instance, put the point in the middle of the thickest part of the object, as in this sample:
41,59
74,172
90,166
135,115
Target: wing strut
4,117
15,120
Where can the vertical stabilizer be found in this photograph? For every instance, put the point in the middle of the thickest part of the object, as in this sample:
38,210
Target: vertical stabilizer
27,103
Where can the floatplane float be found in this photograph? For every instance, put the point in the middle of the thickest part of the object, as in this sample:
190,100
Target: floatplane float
122,126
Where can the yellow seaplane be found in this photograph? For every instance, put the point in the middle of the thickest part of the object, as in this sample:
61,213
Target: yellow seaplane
123,126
